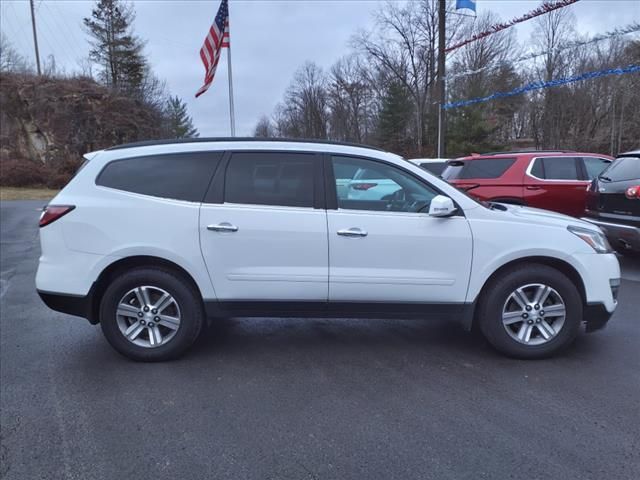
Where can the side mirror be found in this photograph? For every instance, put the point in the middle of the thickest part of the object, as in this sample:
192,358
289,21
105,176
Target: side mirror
441,206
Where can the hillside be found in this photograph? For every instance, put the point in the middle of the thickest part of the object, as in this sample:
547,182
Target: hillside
46,124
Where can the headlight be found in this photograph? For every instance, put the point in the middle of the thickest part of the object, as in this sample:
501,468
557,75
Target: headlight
596,240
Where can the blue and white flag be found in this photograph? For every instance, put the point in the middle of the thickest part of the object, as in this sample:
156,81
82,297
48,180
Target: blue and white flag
469,4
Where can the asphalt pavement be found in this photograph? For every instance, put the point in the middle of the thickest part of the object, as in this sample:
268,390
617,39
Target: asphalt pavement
307,399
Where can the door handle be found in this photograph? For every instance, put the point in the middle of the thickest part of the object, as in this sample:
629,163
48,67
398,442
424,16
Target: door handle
222,227
352,232
533,187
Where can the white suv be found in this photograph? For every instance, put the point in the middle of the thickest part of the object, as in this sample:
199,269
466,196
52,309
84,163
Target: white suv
152,239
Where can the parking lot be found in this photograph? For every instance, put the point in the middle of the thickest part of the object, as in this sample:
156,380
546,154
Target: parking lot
307,399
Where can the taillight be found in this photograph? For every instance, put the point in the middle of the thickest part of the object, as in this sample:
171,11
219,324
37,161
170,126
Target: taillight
633,193
51,213
363,186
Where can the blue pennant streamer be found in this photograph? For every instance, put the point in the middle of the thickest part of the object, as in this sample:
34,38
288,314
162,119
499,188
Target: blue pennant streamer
540,85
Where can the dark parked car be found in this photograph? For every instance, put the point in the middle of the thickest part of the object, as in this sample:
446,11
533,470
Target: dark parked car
551,180
433,165
613,203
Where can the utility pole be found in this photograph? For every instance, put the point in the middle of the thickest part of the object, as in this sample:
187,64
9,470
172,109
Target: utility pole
35,37
442,125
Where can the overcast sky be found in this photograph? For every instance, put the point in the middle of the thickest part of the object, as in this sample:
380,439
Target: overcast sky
270,40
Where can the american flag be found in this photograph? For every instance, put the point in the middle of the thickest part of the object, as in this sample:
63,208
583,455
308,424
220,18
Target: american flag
216,40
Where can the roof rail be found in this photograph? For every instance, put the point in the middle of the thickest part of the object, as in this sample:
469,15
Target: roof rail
514,152
171,141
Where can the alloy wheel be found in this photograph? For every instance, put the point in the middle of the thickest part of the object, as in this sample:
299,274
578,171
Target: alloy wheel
148,316
534,314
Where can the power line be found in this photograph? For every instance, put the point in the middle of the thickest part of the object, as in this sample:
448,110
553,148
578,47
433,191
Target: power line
27,45
634,27
65,28
69,29
57,48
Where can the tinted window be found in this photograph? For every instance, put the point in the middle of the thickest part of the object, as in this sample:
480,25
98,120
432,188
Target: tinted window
625,168
182,176
435,168
379,186
560,168
271,178
538,168
594,166
369,174
480,168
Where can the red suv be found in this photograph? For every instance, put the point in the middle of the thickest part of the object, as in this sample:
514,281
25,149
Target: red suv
552,180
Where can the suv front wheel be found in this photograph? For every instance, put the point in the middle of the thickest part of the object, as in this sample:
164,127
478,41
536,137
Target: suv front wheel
150,314
530,311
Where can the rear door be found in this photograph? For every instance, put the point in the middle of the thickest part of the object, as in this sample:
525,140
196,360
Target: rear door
263,228
387,249
556,183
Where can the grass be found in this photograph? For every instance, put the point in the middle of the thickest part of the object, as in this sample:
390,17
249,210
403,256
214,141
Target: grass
18,193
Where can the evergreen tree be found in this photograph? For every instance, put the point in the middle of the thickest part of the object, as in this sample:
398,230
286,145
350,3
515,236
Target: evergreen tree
179,123
395,118
114,46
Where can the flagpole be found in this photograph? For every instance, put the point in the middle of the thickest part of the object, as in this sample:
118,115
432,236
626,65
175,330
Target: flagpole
232,114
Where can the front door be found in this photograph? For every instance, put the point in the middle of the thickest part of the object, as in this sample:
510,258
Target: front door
386,248
264,240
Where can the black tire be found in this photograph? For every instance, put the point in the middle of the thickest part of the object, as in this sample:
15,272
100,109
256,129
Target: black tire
497,292
186,296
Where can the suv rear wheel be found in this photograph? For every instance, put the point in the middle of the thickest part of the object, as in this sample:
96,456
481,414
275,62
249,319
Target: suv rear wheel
531,311
150,314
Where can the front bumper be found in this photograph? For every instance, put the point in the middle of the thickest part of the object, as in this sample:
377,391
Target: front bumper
621,236
595,316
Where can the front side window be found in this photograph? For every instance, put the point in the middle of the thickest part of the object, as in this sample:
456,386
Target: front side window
478,168
594,166
179,176
555,168
369,185
270,178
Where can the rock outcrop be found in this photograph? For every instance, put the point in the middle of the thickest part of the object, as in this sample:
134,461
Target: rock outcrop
47,124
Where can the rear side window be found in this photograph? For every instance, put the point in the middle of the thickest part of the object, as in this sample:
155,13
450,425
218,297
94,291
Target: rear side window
555,168
179,176
271,178
480,168
625,168
594,166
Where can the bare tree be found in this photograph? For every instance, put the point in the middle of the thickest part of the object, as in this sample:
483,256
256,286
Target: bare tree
403,44
552,31
10,59
264,128
350,100
383,92
304,111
